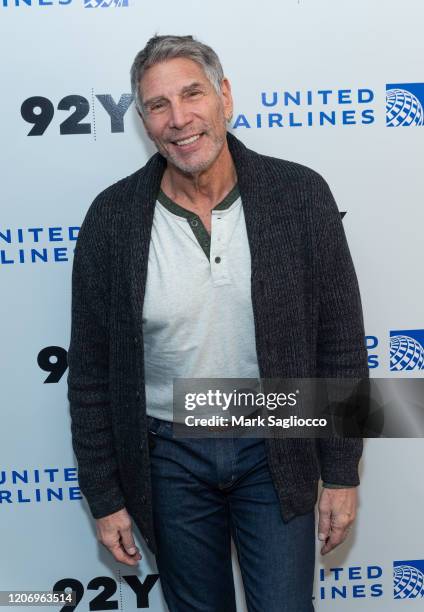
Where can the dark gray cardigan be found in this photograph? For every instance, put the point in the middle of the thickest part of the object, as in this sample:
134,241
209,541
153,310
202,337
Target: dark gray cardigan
308,323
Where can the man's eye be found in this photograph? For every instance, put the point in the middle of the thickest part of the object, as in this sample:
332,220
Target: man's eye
194,93
157,107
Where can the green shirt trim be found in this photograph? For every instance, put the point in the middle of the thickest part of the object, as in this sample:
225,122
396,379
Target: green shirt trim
199,230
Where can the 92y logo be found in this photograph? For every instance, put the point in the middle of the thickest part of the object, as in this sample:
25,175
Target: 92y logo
107,598
39,111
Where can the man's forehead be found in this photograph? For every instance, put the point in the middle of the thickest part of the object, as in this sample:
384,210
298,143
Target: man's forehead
173,74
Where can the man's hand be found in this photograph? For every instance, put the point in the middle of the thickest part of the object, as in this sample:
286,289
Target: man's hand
337,511
115,532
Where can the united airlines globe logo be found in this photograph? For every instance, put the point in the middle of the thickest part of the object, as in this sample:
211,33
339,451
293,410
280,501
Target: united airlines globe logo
408,582
105,3
405,105
406,353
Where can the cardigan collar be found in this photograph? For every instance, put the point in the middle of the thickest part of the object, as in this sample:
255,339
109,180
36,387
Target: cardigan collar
150,176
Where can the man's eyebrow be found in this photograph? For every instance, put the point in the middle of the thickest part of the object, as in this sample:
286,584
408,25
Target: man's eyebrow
184,90
193,85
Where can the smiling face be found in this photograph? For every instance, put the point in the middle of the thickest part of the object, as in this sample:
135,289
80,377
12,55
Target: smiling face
184,115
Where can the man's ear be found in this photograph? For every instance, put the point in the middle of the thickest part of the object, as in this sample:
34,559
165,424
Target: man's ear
227,98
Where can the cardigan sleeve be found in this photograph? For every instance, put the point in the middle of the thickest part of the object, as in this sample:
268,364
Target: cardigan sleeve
341,348
88,376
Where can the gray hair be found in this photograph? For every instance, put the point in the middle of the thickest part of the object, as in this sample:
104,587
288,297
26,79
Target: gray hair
161,48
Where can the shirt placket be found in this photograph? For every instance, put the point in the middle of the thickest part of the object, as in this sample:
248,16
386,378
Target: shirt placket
219,265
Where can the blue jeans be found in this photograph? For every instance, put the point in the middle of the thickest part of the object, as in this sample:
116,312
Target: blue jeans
204,491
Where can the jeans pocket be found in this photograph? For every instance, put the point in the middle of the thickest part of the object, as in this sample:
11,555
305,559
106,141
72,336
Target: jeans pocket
154,425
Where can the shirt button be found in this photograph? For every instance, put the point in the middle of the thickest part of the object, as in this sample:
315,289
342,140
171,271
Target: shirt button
217,259
143,499
147,540
135,340
194,222
137,394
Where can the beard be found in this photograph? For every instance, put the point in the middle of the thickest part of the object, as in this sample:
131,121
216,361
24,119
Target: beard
199,165
201,160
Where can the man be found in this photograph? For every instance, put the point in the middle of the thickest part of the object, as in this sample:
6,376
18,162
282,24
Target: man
211,261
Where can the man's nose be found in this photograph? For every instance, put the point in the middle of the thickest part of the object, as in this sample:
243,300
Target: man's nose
180,116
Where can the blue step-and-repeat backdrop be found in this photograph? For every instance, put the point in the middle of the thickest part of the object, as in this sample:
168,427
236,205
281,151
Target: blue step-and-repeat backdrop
332,84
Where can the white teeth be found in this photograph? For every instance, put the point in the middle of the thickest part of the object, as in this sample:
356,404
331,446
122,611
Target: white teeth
188,140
